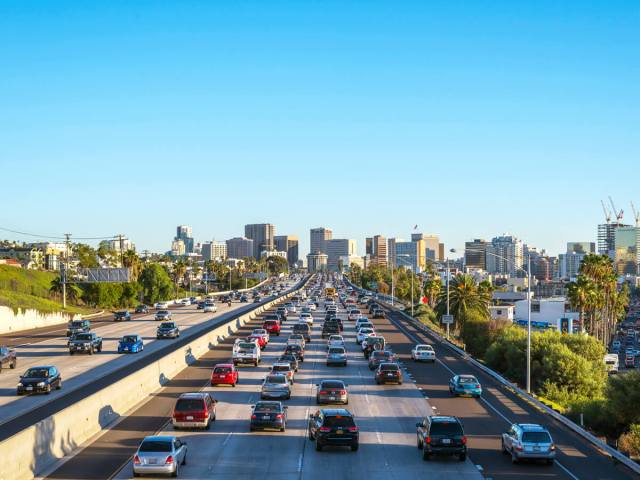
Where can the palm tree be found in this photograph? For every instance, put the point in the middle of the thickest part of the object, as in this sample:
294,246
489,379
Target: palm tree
432,288
580,296
464,298
73,292
130,259
179,269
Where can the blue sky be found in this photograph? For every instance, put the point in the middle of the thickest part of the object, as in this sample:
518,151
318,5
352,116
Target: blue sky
469,119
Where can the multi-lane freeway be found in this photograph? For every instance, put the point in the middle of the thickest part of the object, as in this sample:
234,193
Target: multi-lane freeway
385,414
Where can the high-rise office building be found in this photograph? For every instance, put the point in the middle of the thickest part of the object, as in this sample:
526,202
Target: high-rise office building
185,233
318,239
411,255
581,247
505,255
177,248
391,250
336,248
376,248
431,244
289,244
475,254
607,238
262,235
239,247
316,262
214,251
627,254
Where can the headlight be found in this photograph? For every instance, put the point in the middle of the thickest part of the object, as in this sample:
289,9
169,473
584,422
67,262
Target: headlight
41,384
20,384
87,344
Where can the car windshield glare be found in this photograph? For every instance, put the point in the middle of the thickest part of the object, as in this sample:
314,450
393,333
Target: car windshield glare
155,446
37,373
445,429
536,437
189,404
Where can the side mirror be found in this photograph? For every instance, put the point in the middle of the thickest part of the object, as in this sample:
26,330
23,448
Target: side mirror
21,377
285,407
418,424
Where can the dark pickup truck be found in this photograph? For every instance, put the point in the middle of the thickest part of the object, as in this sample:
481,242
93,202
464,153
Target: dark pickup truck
85,343
78,326
7,358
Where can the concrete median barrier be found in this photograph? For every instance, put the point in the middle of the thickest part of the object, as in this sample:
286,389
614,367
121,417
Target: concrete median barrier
37,448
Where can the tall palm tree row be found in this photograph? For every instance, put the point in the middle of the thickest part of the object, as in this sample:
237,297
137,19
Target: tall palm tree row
465,297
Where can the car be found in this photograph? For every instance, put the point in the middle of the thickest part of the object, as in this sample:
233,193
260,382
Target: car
261,332
372,343
423,353
78,326
121,315
275,386
8,358
364,333
283,368
291,359
337,356
616,345
200,305
303,329
296,339
291,308
268,415
307,318
257,299
39,380
194,410
227,298
260,339
441,435
142,309
245,351
380,356
630,359
332,391
296,350
244,299
329,329
162,315
362,321
335,341
282,313
184,302
225,374
87,342
130,344
161,305
210,307
353,314
528,441
168,330
160,454
388,372
311,306
465,385
333,427
378,313
272,327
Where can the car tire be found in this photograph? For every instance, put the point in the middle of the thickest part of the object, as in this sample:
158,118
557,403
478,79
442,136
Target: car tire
283,429
91,351
234,384
48,390
71,352
426,456
184,460
418,442
504,448
462,457
354,447
174,474
310,435
13,365
208,425
318,446
59,386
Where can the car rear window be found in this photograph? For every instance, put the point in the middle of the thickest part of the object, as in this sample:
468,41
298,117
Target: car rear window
129,339
536,437
330,384
301,328
338,421
262,407
467,380
276,379
446,429
281,368
155,446
83,336
336,350
389,366
167,325
189,404
270,322
222,370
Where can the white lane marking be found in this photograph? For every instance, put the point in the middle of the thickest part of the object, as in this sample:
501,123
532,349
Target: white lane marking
300,460
566,470
379,437
226,440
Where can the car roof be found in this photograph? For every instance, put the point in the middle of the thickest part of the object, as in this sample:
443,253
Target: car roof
194,395
159,438
532,427
223,365
331,380
443,418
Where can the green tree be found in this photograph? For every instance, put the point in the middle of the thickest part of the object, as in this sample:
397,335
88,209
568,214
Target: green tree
464,298
623,393
73,292
130,259
276,265
87,256
630,441
432,289
156,283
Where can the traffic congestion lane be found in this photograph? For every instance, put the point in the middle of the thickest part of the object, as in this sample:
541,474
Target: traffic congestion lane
81,369
487,418
386,416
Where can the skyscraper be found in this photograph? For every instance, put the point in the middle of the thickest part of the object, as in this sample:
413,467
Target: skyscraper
239,247
411,255
505,255
607,238
214,251
376,248
262,235
184,233
627,254
391,250
581,247
289,244
336,248
318,239
475,254
431,244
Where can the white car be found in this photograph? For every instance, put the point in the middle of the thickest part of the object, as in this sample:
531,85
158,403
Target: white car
360,321
161,305
311,306
184,301
296,339
210,307
335,341
307,318
423,353
291,308
354,314
363,333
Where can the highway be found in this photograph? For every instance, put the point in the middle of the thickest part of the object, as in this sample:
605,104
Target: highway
385,414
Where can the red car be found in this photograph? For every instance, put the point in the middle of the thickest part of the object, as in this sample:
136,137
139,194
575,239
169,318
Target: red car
194,410
224,374
272,326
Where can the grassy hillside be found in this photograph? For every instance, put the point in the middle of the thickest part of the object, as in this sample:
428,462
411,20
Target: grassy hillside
20,288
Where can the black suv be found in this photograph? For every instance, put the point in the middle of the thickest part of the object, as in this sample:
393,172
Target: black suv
121,315
333,427
296,350
441,435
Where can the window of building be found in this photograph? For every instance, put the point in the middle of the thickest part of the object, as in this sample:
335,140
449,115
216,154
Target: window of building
535,307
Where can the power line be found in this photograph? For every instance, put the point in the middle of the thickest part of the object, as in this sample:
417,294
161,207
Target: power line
56,237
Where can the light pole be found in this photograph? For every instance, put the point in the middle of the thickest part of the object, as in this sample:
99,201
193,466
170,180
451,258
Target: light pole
528,272
412,275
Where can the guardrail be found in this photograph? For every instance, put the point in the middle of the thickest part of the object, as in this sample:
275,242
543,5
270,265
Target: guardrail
599,444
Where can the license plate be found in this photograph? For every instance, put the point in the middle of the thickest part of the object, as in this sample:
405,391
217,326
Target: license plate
29,388
332,398
389,374
339,432
189,417
153,461
446,441
536,449
265,417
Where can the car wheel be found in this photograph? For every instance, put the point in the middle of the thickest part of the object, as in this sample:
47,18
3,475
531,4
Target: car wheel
514,459
71,352
462,457
91,351
426,456
184,460
504,448
283,429
48,390
418,443
354,447
59,386
318,446
310,435
208,425
234,384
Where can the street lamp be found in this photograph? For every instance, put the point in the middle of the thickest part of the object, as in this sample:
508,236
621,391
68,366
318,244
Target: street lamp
410,265
528,272
453,250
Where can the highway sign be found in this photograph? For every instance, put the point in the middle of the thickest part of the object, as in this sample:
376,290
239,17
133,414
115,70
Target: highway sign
447,319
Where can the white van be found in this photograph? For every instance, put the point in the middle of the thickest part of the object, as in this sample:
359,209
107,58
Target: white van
611,362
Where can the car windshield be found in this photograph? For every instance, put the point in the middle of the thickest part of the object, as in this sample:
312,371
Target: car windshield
129,339
222,370
267,407
121,312
388,366
163,312
336,350
446,429
189,404
332,384
37,373
276,379
536,437
155,446
338,421
167,325
77,324
83,336
467,380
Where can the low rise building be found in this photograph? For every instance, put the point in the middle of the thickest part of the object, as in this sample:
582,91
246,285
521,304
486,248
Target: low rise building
28,257
546,313
502,312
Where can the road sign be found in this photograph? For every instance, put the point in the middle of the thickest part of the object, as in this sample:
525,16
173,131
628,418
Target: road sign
447,319
423,300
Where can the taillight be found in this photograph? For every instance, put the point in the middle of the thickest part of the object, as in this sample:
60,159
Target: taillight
478,386
343,392
353,429
136,459
519,447
279,415
169,459
325,429
464,440
323,392
427,439
253,417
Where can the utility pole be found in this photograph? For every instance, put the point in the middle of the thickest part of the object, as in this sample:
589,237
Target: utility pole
65,270
448,276
121,240
529,323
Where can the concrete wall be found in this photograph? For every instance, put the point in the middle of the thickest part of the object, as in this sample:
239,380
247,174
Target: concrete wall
27,319
38,447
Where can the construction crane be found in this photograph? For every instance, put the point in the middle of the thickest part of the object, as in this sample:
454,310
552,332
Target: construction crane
618,214
607,213
636,214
